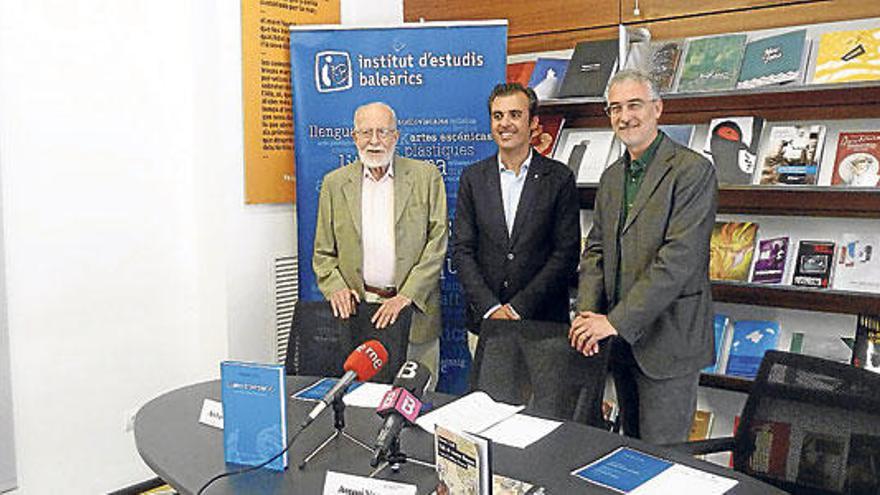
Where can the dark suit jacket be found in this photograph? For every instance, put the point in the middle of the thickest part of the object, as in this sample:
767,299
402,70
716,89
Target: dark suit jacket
665,307
530,268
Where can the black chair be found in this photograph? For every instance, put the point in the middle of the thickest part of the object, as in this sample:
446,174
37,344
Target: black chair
319,343
809,426
529,361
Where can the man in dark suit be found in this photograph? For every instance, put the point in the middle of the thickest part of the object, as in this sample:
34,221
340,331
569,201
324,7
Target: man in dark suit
644,278
517,230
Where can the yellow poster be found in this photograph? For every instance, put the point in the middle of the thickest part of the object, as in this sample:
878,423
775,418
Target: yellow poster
268,113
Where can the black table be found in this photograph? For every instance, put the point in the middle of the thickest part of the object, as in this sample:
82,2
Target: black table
186,453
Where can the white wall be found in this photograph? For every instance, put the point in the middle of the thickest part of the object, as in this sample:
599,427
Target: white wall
363,12
132,264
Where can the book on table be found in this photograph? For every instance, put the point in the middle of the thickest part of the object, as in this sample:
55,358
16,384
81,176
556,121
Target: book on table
254,413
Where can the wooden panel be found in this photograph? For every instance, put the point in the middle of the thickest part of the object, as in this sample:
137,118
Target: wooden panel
797,14
807,102
526,17
557,40
790,297
650,10
723,382
833,202
796,201
556,25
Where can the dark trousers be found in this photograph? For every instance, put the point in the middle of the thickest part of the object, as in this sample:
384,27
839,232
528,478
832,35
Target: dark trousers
532,363
658,411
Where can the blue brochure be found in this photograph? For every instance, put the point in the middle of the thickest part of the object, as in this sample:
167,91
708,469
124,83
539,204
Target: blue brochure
623,470
254,413
317,390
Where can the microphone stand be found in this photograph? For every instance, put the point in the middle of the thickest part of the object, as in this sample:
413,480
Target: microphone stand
395,457
339,431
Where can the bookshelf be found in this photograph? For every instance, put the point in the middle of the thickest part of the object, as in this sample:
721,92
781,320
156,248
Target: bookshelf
779,103
806,201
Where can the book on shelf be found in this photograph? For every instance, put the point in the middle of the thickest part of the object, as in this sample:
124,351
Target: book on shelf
866,350
772,441
774,60
701,427
821,461
254,413
665,61
591,65
463,462
520,72
771,261
547,76
845,56
723,337
793,155
813,264
731,249
863,464
732,145
680,133
858,267
546,136
586,152
712,63
751,338
636,44
837,348
857,163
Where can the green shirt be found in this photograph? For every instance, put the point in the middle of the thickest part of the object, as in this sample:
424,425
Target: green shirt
632,180
635,173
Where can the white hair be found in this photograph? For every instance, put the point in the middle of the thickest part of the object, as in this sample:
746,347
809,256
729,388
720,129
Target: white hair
380,104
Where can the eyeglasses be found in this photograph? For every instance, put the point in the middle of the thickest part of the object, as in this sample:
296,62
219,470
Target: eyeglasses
615,109
382,132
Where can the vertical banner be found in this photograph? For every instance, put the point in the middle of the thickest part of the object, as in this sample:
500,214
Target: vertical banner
268,121
437,77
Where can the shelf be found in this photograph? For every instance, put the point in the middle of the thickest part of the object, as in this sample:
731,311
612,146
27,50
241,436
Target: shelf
785,201
774,103
723,382
786,296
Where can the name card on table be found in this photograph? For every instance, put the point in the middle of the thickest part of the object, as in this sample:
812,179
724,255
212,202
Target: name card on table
336,483
212,413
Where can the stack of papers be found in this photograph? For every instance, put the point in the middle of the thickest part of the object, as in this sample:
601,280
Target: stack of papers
477,413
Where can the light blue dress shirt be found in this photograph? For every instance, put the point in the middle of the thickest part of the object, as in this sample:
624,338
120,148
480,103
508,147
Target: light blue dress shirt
511,189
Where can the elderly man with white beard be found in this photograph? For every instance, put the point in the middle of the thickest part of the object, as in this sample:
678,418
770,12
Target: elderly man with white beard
381,234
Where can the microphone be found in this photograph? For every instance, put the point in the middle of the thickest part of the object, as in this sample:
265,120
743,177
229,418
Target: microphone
400,406
361,364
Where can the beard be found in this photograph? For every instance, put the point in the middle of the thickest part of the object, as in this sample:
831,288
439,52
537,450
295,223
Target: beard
373,161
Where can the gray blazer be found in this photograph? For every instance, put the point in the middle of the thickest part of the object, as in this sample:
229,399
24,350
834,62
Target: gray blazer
665,308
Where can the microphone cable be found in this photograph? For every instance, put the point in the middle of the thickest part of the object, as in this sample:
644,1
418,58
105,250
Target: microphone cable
248,469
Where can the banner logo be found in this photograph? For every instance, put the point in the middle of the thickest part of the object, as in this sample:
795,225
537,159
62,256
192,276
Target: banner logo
332,71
